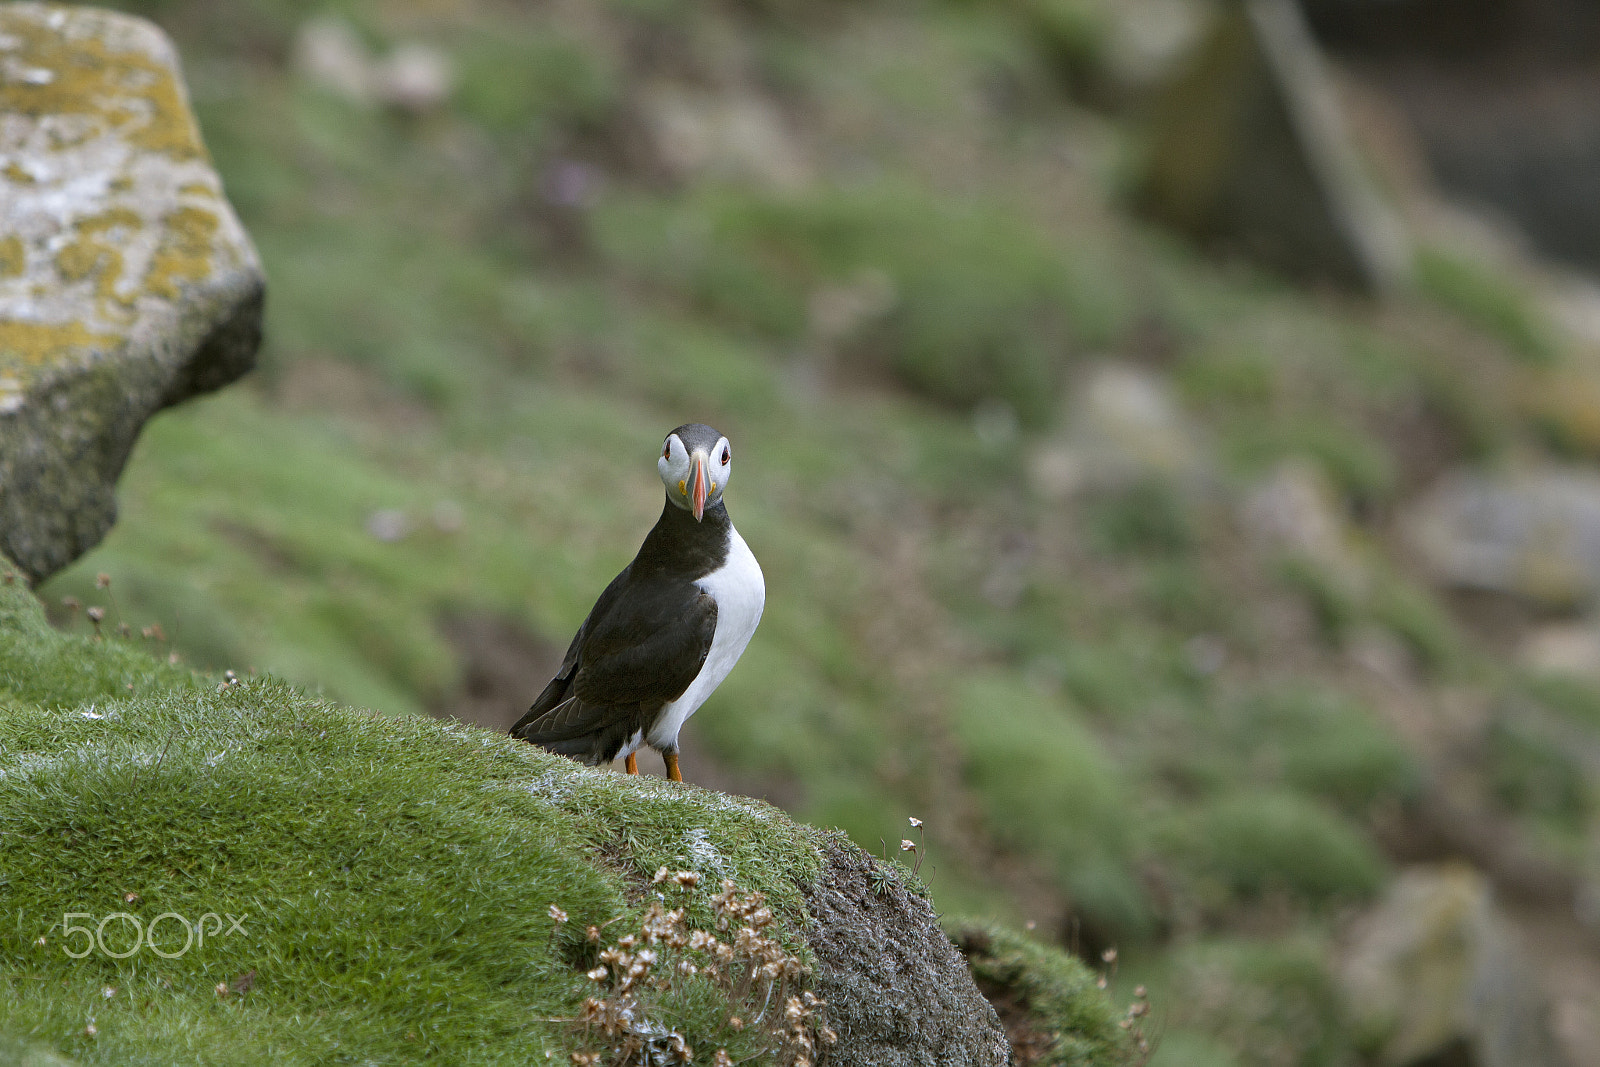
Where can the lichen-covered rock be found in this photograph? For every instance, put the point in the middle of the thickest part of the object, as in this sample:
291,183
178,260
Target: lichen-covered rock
1434,975
898,992
126,281
1533,534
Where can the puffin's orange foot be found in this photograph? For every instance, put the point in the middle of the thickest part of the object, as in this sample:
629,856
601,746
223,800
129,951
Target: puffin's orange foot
672,766
633,763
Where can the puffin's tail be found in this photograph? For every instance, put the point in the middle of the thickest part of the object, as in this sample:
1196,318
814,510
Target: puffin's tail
571,728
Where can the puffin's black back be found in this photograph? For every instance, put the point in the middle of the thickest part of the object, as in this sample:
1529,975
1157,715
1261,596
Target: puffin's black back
644,641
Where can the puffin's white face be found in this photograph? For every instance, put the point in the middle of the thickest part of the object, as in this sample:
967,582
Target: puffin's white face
694,475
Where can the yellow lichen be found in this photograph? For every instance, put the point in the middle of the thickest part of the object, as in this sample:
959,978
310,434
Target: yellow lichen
87,257
184,253
110,219
197,189
13,257
35,344
130,93
14,173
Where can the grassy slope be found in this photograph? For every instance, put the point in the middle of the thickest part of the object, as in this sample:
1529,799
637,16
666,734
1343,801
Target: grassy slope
1073,763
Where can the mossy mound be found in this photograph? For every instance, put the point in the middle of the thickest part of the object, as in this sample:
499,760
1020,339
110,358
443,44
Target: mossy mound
393,877
1053,1013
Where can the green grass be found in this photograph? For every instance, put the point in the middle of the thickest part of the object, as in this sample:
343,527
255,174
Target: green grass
1321,744
396,873
961,302
1267,1003
1489,299
1047,788
1264,841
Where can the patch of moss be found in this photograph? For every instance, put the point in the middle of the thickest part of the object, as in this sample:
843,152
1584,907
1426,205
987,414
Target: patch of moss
1049,1001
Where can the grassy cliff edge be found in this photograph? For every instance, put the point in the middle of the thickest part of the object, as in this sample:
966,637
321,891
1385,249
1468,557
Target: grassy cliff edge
379,889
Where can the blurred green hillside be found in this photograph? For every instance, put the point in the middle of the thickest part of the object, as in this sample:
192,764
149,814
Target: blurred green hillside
886,249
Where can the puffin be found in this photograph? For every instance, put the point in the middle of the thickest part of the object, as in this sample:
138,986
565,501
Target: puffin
666,631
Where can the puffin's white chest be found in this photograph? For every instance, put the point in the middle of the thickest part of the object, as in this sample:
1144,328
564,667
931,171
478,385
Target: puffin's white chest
740,593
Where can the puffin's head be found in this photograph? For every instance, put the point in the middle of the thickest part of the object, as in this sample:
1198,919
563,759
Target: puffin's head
695,463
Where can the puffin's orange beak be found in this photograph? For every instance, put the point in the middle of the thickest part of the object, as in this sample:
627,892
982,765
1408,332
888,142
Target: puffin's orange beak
698,494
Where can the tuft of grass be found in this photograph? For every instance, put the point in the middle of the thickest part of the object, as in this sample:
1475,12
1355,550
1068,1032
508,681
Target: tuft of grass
1487,299
1260,1003
1334,604
1417,618
1047,998
517,82
394,875
1257,841
1147,518
1047,788
1323,744
1360,465
1531,773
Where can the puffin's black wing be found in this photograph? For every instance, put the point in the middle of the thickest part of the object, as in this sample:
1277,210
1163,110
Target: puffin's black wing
639,649
560,687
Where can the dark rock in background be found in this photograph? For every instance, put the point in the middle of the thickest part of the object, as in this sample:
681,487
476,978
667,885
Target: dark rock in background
1503,95
126,282
1249,152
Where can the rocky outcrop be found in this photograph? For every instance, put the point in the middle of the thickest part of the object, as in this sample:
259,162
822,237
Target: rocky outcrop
898,992
126,282
1250,151
1434,976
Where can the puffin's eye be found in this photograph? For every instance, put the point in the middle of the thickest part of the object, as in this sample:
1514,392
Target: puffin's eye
666,451
724,457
